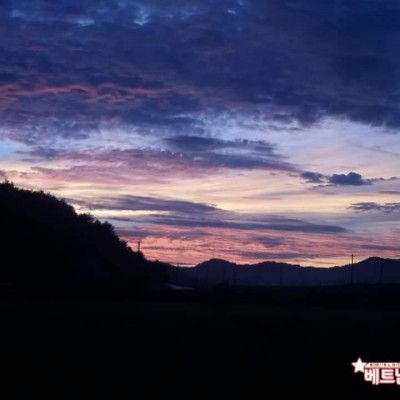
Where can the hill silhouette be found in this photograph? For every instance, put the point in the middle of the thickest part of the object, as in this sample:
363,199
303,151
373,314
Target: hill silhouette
46,245
213,272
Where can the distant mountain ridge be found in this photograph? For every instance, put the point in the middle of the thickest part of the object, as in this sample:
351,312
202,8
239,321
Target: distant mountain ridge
213,272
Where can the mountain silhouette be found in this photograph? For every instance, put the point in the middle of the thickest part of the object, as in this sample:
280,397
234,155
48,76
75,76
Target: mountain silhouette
373,270
46,245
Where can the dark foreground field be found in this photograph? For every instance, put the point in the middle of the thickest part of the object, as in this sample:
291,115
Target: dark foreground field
194,346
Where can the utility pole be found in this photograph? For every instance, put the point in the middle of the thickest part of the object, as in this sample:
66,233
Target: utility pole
138,246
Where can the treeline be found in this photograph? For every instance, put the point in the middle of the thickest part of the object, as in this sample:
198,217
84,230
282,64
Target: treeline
46,244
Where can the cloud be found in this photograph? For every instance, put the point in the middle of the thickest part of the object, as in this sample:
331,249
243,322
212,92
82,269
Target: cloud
166,161
351,179
243,161
312,177
244,154
177,213
172,233
270,241
197,144
385,208
380,247
144,203
252,225
306,60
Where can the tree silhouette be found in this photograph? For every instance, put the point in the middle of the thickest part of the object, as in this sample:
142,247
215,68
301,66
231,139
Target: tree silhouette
46,244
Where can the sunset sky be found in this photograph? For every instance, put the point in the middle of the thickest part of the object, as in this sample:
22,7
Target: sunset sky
243,130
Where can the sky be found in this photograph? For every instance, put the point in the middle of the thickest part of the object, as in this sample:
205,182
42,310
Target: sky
236,129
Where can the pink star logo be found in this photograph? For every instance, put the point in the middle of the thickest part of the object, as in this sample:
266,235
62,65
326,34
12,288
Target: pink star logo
359,365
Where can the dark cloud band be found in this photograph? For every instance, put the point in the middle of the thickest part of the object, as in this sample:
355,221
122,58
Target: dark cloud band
155,62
